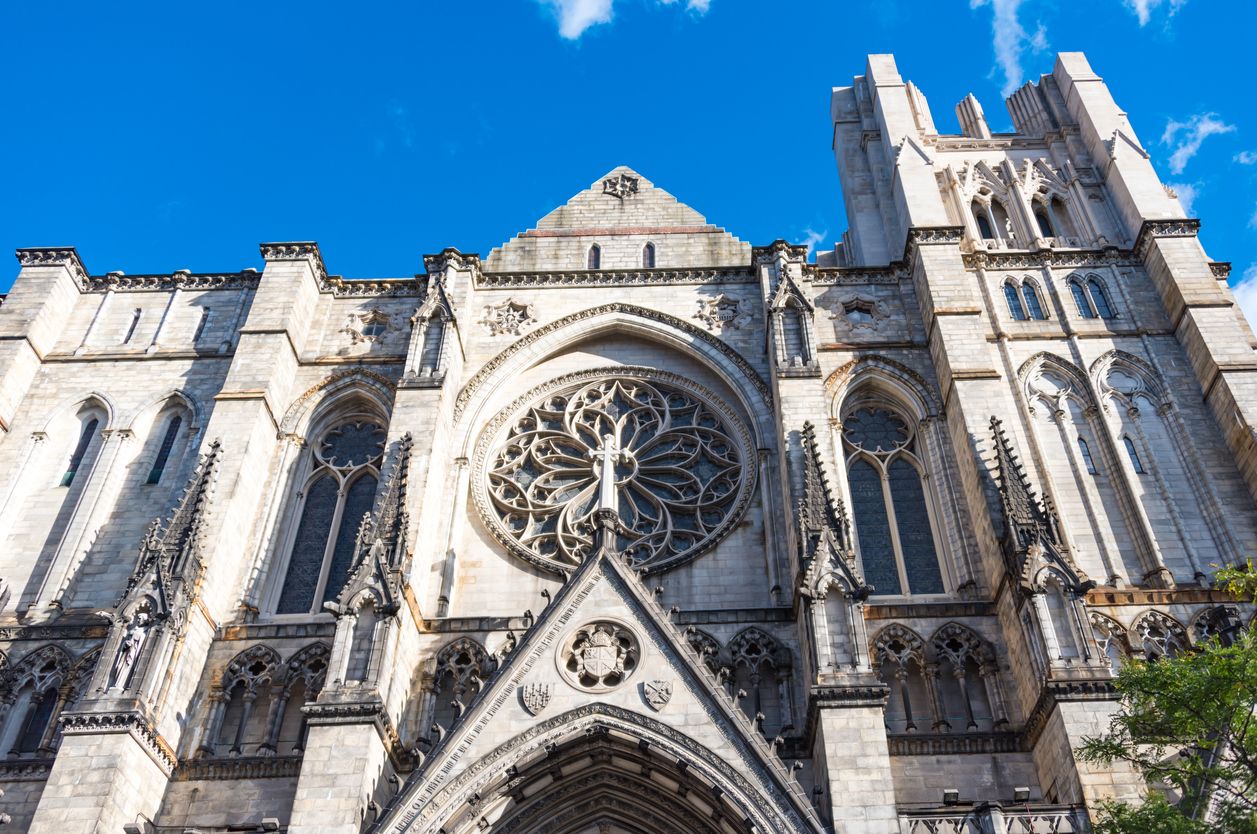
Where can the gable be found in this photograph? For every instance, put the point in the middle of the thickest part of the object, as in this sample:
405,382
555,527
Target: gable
620,212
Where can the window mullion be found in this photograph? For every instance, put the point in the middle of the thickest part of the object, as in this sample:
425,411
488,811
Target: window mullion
333,533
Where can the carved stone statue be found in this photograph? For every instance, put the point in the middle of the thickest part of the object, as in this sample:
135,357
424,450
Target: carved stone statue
129,650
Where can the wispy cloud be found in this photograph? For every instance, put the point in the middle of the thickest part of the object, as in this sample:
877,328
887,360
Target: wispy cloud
1144,9
576,16
1187,192
1246,294
1246,157
1010,39
1187,137
811,237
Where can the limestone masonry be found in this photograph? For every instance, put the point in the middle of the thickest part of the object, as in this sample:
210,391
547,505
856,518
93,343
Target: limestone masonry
628,526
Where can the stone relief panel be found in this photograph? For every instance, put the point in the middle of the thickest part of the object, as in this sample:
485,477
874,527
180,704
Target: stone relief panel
668,458
725,311
509,318
599,656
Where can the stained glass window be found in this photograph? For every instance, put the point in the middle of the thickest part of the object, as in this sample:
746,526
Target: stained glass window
868,504
1031,295
916,539
1134,455
163,454
1080,299
1045,225
1014,303
888,501
1100,299
984,224
648,256
1087,460
339,492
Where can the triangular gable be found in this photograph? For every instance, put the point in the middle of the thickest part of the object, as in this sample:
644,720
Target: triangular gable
496,731
620,204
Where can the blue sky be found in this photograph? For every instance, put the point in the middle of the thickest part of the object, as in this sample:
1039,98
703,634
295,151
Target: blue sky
163,136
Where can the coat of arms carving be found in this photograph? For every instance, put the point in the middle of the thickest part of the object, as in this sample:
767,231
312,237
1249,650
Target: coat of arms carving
657,694
535,696
600,656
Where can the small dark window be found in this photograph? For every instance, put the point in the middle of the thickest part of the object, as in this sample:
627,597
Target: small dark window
37,719
1045,225
1080,298
1033,304
1087,460
1100,299
135,322
1134,455
1014,303
80,451
594,260
163,454
648,256
201,325
984,223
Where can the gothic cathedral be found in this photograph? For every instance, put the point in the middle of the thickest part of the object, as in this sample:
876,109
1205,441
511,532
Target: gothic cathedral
628,526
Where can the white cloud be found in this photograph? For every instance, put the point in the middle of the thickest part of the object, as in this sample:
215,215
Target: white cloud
1246,294
1246,157
811,237
1187,193
1143,9
575,16
1188,136
1010,39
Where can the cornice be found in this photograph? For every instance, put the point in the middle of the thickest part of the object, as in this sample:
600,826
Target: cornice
833,276
84,631
941,744
1220,269
129,721
615,278
1054,692
373,287
247,767
297,251
66,256
25,770
1185,227
1071,258
778,248
182,280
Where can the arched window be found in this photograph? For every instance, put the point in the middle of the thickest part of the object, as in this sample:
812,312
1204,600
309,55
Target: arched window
1033,305
1080,299
1015,308
1087,460
999,218
1060,218
338,493
594,259
1111,640
892,516
461,669
135,322
37,682
648,256
899,657
163,453
1044,223
1100,299
1159,635
1133,454
760,670
240,708
86,436
964,663
983,222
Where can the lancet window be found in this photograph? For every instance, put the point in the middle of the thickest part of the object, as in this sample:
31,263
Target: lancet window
965,663
899,658
593,258
1091,298
36,690
171,434
1110,638
648,256
890,506
84,450
461,669
1024,302
338,492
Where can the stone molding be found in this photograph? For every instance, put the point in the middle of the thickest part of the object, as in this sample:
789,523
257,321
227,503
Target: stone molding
939,744
1152,229
1072,259
490,367
244,767
763,255
449,257
182,280
25,770
88,631
66,256
1054,692
616,277
127,721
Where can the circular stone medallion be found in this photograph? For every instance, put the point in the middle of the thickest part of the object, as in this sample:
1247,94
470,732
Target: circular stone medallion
599,656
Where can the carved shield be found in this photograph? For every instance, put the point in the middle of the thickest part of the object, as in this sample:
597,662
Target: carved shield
600,656
535,696
657,693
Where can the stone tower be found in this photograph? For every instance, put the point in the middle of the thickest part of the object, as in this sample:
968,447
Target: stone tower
630,526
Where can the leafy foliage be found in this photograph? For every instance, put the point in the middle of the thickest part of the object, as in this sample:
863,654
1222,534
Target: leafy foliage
1188,725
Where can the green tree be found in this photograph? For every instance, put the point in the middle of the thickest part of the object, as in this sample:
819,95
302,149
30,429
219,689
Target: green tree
1188,724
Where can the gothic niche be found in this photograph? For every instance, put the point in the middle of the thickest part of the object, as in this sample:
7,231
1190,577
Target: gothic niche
599,656
669,464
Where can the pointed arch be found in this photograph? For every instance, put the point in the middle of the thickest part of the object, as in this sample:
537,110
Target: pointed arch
173,397
902,383
754,395
1156,634
93,399
362,387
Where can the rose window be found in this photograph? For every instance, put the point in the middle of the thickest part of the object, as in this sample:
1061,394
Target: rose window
670,464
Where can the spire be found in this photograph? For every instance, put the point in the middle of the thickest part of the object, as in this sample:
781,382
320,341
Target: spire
824,532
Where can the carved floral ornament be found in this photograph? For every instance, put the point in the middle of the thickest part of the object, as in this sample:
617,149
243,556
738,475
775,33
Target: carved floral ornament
599,656
368,326
860,312
509,318
665,456
724,311
620,186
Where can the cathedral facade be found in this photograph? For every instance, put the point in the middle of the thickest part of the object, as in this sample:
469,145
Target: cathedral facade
628,526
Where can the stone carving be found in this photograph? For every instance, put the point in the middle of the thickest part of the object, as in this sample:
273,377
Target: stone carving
620,186
368,327
657,694
670,464
860,312
599,656
509,318
129,649
725,311
535,697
